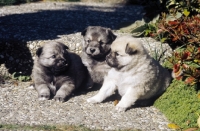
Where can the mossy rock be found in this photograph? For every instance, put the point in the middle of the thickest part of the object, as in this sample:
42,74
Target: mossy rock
180,104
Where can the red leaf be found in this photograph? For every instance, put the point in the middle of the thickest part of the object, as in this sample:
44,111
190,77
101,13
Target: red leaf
179,77
199,49
177,72
189,80
176,54
173,22
185,55
176,68
175,38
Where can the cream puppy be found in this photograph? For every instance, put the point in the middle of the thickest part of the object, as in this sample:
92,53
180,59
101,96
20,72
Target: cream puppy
134,73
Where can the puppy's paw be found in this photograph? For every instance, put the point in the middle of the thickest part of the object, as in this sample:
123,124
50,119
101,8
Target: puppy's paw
120,109
94,99
44,96
59,98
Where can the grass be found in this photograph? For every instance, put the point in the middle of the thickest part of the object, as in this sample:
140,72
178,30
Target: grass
180,104
52,128
46,128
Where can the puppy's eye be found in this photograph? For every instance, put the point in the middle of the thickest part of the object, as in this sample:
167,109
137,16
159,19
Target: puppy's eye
53,56
116,54
88,41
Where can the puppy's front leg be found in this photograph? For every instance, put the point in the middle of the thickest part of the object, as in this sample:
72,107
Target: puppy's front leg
43,91
64,91
127,99
106,90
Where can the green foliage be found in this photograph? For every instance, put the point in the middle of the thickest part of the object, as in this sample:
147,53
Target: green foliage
186,64
179,26
184,36
174,8
137,28
180,32
19,76
180,104
183,6
175,17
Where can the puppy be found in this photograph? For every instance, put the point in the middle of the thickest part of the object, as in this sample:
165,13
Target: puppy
58,72
135,74
96,46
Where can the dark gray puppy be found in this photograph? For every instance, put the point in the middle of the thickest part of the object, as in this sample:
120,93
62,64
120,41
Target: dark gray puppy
59,72
96,46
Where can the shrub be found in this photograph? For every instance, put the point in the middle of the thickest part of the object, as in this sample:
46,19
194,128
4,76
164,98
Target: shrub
180,104
179,26
186,64
183,35
174,6
180,32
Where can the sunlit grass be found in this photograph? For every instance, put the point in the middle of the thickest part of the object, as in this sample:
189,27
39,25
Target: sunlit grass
52,128
46,128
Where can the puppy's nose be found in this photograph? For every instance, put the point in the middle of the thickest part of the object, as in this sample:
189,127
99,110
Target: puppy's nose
92,50
62,62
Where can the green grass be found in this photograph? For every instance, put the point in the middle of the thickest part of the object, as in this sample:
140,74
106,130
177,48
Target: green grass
46,128
52,128
180,104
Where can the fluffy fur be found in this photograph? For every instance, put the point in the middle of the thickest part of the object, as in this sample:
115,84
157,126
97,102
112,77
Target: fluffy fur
135,74
96,46
58,72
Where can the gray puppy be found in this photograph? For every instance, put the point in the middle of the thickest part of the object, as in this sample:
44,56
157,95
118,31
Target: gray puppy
96,46
58,72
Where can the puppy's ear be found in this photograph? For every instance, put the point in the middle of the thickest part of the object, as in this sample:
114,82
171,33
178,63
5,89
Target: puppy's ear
63,45
39,51
130,49
66,47
111,34
84,31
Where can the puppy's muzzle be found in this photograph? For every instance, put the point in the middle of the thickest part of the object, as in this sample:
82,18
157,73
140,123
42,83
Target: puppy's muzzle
111,60
59,66
61,63
92,50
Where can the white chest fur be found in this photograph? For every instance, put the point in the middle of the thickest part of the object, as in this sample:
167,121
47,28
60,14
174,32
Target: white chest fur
123,81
